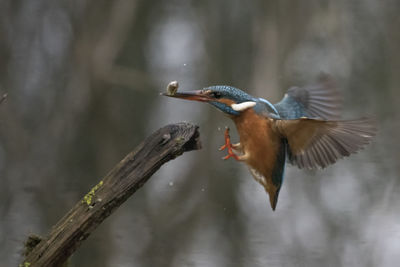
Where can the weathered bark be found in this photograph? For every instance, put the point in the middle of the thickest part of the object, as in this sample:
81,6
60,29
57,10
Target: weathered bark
122,181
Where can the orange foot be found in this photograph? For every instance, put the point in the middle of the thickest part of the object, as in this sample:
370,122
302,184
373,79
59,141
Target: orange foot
229,146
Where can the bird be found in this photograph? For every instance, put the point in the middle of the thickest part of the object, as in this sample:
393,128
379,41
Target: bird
304,129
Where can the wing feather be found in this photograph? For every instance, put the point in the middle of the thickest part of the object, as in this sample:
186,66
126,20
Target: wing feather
320,100
315,143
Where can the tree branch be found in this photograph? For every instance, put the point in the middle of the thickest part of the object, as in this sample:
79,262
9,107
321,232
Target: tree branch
120,183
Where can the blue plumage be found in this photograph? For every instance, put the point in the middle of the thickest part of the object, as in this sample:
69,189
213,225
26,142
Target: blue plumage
289,108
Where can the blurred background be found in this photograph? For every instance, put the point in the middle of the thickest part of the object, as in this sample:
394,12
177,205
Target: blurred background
83,79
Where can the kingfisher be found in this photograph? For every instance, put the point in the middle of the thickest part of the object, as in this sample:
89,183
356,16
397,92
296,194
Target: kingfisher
304,128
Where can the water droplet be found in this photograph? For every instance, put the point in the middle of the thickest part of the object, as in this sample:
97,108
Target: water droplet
184,64
171,183
202,189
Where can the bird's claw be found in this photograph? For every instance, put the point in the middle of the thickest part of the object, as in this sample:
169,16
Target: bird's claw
228,145
231,156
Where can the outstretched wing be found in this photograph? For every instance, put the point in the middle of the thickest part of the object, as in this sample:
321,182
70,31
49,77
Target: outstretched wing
315,143
320,100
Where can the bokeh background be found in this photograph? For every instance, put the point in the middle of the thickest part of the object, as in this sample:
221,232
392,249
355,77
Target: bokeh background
83,79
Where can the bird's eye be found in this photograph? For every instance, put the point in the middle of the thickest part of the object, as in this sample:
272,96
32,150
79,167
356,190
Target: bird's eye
216,94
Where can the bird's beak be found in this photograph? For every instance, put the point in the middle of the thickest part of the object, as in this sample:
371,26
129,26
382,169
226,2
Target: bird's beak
197,95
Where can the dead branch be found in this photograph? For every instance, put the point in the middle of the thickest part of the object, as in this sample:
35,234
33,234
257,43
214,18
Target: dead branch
120,183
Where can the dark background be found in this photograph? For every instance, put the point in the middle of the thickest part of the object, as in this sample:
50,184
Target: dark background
83,78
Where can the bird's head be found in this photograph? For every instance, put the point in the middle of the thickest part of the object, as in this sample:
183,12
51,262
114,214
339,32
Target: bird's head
229,100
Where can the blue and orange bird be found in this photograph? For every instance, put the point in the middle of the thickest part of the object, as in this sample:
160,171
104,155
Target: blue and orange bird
304,128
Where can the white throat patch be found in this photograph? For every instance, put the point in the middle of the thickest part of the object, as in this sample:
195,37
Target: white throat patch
243,106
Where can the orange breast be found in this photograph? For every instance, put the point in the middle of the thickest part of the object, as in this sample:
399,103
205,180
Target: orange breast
258,141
